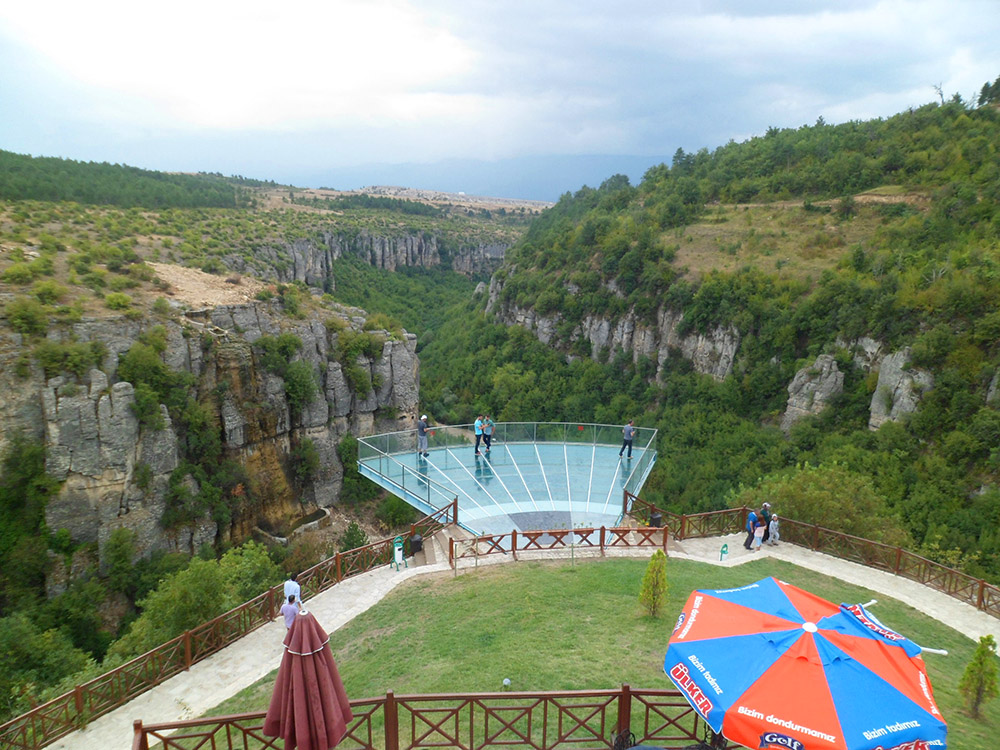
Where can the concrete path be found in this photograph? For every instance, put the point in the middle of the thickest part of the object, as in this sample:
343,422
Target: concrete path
192,693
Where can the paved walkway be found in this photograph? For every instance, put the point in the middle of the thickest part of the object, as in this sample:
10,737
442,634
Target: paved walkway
192,693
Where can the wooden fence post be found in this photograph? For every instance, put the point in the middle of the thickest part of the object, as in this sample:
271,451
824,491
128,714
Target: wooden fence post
981,594
513,543
454,510
603,540
624,708
78,699
815,544
899,560
451,551
684,525
340,573
137,733
187,650
391,722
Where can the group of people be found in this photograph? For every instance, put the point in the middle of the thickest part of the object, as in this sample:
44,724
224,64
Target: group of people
761,528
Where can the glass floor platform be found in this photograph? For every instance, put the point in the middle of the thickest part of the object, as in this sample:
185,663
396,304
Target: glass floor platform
564,476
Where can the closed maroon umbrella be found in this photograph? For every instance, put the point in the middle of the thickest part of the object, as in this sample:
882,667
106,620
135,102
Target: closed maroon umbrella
309,707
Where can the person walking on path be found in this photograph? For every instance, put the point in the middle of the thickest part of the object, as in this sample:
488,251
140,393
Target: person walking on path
628,432
478,427
422,437
772,529
751,525
758,535
289,609
292,588
488,432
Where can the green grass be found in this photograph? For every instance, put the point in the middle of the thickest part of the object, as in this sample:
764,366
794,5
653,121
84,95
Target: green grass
556,626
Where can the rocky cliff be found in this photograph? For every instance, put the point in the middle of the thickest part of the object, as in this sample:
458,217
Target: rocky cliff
310,260
118,473
711,353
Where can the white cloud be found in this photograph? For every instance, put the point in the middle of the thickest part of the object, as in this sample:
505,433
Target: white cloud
249,65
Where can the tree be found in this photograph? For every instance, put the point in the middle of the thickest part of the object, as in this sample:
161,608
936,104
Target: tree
353,537
653,593
979,682
249,571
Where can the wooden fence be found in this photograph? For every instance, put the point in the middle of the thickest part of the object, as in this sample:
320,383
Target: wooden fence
968,589
580,719
70,711
601,539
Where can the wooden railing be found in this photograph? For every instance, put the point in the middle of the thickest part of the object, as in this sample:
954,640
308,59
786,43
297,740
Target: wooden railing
582,719
60,716
969,589
594,538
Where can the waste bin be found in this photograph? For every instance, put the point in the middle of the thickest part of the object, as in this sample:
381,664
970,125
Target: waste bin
655,520
416,544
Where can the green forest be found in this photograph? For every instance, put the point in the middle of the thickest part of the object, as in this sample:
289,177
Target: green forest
801,240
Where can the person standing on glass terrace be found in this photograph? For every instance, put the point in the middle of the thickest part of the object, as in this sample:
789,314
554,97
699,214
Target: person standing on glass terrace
628,432
478,427
422,436
487,432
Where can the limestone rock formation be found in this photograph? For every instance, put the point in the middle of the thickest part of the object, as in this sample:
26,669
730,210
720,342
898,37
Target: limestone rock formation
117,472
311,260
899,388
712,353
812,389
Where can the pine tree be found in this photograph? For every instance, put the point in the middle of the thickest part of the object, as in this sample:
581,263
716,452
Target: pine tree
653,593
979,682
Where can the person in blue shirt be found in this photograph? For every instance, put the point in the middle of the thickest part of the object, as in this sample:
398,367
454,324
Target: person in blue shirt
751,525
479,431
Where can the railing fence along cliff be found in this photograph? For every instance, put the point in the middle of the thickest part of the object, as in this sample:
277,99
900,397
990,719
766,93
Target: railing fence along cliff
594,538
583,719
968,589
58,717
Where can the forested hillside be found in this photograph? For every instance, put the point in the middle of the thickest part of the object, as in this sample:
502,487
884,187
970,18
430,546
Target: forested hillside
836,240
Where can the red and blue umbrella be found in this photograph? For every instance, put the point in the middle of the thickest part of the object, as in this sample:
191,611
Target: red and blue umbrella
769,665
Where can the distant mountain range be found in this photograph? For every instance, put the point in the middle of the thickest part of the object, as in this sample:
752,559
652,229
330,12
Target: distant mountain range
542,178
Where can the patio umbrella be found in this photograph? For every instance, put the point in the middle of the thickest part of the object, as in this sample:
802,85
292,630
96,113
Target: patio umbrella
771,665
309,707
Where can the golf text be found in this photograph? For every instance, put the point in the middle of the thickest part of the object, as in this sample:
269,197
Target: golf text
770,739
694,614
899,726
708,675
858,611
785,723
698,698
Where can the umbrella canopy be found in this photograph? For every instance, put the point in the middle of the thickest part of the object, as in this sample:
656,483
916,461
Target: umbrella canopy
771,665
309,707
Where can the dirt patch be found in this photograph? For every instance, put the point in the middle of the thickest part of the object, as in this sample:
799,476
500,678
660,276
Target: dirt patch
199,289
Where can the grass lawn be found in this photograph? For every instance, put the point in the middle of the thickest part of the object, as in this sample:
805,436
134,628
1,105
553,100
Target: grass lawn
557,626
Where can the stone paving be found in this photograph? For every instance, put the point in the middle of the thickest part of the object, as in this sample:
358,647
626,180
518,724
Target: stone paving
193,693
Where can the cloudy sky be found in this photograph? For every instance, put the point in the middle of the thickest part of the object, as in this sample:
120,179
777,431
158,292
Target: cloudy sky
330,92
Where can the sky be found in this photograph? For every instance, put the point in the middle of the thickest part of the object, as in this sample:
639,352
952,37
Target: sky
521,99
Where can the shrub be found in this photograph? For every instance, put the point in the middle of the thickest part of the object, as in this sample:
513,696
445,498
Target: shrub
353,537
118,301
979,681
653,592
394,512
305,460
48,291
300,385
27,316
